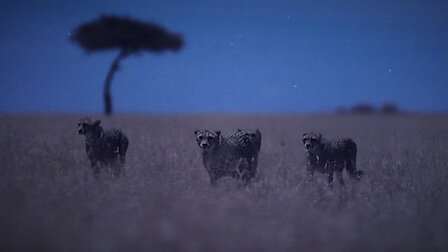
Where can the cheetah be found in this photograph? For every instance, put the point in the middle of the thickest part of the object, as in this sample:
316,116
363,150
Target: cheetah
327,156
235,155
103,147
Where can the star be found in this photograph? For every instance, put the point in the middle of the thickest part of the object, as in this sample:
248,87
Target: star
390,70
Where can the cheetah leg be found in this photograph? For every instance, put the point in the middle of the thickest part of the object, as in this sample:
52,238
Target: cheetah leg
351,169
338,166
340,178
359,174
213,180
330,179
122,155
254,166
123,148
96,169
93,162
213,176
116,170
310,168
243,169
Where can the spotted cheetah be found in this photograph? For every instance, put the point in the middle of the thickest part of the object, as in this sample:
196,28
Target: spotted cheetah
103,147
331,156
235,155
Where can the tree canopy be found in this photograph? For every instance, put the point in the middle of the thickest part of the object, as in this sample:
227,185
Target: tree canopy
126,34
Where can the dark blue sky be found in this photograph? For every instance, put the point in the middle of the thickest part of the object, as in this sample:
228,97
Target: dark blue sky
240,56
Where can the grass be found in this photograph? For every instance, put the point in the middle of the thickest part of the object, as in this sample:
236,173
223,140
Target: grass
51,202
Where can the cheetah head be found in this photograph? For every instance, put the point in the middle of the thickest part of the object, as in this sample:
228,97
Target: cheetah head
87,126
207,139
311,141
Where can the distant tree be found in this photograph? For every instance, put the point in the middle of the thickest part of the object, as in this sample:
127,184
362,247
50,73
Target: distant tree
340,110
363,108
389,108
127,35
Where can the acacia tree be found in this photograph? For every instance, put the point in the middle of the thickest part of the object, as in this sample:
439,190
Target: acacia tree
127,35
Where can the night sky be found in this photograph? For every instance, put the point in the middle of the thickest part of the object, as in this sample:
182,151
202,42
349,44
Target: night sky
239,56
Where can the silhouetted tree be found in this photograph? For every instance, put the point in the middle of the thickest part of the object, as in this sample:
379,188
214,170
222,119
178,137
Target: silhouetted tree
128,36
363,108
389,108
340,110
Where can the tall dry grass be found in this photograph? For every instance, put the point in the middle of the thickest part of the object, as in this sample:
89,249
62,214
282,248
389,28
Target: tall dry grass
49,200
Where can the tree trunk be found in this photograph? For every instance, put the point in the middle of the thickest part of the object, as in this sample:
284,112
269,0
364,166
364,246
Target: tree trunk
108,82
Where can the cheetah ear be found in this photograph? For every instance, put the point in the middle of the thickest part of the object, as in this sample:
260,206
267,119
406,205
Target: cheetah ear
196,132
97,122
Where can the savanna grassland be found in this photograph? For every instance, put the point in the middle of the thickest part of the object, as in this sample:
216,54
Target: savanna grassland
49,200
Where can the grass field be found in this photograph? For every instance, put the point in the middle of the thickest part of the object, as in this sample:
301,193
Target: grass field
49,200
